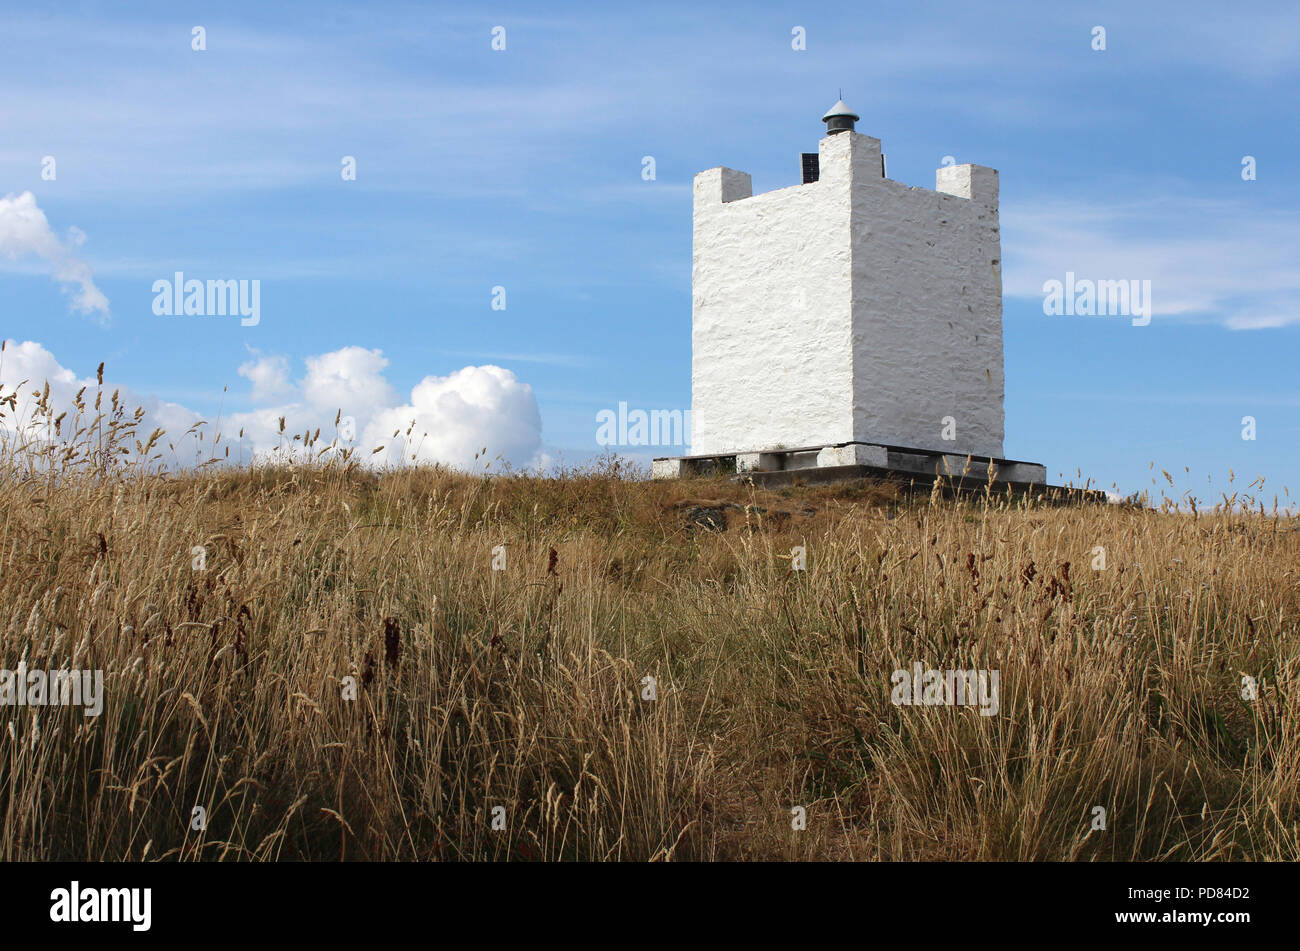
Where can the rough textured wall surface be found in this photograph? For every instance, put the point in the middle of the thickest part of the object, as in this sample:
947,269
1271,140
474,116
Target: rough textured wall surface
851,308
770,287
927,308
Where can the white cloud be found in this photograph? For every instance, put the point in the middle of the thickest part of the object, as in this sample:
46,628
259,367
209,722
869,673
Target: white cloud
269,376
450,419
27,367
352,377
25,232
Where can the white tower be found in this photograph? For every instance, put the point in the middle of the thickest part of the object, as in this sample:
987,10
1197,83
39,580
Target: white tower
849,309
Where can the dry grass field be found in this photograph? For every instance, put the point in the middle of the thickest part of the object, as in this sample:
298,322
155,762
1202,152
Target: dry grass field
227,606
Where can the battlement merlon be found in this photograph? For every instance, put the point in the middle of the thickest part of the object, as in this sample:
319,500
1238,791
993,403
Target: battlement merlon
720,185
976,182
848,157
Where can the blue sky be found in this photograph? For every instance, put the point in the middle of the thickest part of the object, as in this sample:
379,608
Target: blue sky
522,169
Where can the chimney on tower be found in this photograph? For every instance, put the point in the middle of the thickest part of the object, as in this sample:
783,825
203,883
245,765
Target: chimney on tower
839,118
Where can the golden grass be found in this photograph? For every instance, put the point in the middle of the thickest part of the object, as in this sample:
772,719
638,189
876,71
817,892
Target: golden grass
522,688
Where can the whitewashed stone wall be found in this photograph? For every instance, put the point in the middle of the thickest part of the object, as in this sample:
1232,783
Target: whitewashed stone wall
851,308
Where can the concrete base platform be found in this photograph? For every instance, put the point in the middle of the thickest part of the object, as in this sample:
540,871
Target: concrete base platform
814,465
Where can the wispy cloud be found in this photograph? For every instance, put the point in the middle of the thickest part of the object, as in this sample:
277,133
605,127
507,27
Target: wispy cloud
1206,259
1177,399
551,359
26,236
